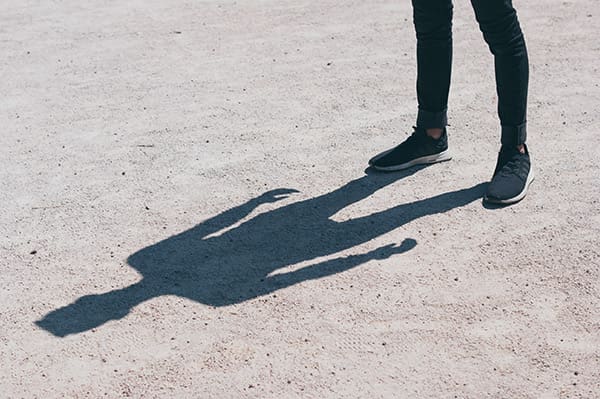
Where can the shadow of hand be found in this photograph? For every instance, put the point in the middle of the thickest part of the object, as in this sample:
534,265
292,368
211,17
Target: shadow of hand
388,250
276,195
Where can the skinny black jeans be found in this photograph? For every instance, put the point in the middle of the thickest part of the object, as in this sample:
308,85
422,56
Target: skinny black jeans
501,30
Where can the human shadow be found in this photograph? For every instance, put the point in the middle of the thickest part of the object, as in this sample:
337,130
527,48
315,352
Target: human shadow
221,261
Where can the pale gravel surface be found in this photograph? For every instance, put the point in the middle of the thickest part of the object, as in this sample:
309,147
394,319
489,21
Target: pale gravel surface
126,125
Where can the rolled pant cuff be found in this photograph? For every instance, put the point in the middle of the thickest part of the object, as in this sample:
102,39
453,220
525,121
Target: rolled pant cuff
429,120
514,135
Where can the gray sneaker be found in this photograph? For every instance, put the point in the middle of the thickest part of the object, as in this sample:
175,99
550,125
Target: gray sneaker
512,177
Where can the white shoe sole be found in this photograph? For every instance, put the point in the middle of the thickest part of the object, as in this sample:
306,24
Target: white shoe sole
428,159
516,198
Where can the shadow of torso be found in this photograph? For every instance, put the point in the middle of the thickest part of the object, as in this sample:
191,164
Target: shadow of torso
237,265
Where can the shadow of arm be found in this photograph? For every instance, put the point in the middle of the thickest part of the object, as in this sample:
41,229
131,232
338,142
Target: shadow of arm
338,265
233,215
164,251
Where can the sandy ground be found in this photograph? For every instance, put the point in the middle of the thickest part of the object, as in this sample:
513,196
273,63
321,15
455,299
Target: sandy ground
186,211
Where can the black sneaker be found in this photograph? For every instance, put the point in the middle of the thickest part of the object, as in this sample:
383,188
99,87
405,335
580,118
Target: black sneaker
418,149
512,177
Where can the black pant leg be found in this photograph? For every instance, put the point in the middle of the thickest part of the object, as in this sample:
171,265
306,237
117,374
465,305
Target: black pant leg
433,26
500,26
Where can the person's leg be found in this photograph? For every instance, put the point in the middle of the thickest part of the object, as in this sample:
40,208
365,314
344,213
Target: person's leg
500,26
433,26
429,142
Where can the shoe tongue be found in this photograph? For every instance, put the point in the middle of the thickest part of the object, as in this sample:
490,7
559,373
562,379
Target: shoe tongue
419,131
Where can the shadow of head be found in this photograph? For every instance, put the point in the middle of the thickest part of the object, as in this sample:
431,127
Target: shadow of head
86,313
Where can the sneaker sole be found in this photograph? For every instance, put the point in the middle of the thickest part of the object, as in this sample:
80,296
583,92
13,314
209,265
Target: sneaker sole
428,159
516,198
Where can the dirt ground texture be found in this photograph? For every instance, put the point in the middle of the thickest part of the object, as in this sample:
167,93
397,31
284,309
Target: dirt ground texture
186,211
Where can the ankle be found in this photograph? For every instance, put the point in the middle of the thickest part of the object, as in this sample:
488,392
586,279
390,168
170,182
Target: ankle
434,133
521,148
